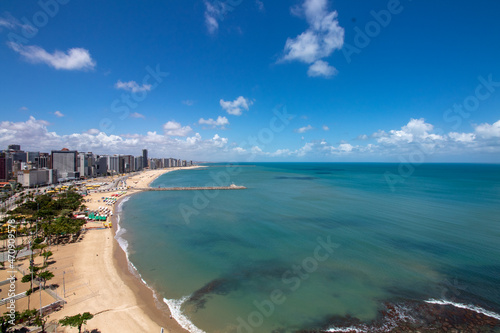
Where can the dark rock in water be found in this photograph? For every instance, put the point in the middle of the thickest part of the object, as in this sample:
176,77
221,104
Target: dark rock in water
217,287
414,317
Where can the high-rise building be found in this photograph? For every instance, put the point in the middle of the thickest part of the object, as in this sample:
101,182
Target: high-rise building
144,158
101,165
5,167
127,163
44,161
139,163
114,164
86,164
14,147
30,178
65,161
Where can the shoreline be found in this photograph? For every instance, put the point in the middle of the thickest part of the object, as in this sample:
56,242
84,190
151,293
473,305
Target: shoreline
99,280
153,307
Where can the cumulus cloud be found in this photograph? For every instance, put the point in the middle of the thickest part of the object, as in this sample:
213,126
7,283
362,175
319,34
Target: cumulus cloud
23,108
173,128
462,137
73,59
489,131
321,68
93,131
137,115
58,114
132,86
417,136
417,130
325,128
304,129
323,36
235,107
220,121
34,135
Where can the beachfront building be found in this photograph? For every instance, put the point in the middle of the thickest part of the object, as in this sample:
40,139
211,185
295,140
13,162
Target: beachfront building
145,158
101,165
139,163
65,161
34,177
44,161
114,164
86,164
127,163
5,167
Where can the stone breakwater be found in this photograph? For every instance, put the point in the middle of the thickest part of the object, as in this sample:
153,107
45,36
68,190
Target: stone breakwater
194,188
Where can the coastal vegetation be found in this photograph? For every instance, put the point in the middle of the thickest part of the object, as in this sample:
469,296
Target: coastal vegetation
41,221
77,320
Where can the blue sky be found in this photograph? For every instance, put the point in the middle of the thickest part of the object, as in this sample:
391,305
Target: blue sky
254,80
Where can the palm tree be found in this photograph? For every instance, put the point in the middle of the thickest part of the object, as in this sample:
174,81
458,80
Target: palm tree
77,320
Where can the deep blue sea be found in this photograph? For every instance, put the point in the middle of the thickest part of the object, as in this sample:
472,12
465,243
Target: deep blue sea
317,246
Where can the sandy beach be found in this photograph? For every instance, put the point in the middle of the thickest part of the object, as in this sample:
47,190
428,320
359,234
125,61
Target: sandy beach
93,276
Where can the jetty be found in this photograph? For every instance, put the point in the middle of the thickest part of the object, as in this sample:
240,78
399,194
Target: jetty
194,188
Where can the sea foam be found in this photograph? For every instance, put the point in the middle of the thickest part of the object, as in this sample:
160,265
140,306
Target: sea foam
467,307
175,309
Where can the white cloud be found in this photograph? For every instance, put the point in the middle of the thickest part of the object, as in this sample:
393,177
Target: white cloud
239,150
362,137
325,128
93,131
23,108
213,12
345,147
235,107
321,68
281,152
219,141
304,129
462,137
221,121
489,131
173,128
74,59
137,115
322,37
417,130
132,86
58,114
34,135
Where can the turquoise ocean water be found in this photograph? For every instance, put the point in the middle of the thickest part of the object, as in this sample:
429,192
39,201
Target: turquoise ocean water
317,245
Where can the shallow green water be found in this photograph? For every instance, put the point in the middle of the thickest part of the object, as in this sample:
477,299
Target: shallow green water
308,241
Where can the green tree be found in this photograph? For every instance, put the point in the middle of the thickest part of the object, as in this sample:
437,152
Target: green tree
6,319
77,320
40,321
46,255
44,277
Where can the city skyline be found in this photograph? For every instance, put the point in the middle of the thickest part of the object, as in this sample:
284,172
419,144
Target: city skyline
252,80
